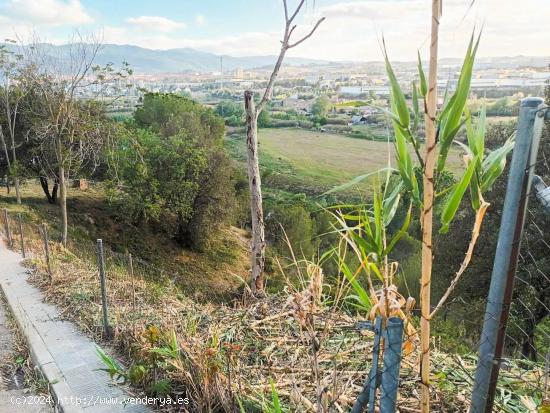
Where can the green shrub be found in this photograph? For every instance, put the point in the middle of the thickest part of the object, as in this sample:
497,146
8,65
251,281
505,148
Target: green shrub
169,166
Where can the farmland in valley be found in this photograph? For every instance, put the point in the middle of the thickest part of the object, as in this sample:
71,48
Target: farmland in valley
318,159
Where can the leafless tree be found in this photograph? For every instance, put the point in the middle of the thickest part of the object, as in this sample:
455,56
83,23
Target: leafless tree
67,85
11,95
254,180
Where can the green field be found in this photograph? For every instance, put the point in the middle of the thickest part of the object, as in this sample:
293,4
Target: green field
331,158
299,160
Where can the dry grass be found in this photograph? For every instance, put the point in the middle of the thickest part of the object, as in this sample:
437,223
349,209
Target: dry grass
314,353
311,349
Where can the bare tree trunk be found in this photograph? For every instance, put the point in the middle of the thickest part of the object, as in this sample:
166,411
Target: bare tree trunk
427,212
17,190
14,162
255,184
62,192
63,204
54,190
16,178
252,113
8,162
46,189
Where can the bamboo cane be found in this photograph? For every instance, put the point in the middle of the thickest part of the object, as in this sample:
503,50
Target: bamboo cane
427,212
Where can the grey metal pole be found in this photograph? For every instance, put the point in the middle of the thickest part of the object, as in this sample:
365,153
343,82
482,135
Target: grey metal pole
131,268
373,375
101,265
7,226
389,383
22,238
370,385
507,250
46,247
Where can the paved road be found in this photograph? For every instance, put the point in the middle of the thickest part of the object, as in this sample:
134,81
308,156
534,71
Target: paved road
9,393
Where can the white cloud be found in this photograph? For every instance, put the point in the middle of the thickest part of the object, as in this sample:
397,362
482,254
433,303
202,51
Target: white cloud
200,19
245,44
47,12
155,23
352,30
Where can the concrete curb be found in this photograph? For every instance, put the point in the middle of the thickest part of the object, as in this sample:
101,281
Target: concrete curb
40,355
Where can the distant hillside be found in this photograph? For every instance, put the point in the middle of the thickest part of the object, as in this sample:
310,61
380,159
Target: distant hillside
190,60
144,60
186,59
176,60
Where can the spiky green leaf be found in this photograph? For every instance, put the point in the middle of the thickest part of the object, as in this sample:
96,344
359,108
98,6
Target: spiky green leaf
453,201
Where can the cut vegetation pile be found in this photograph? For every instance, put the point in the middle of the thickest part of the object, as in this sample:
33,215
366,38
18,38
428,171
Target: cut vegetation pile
293,348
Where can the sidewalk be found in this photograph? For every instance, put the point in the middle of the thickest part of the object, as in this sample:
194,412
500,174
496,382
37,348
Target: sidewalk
11,388
66,357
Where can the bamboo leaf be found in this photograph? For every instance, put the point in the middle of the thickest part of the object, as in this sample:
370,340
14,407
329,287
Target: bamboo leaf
372,266
378,224
416,107
422,76
366,244
357,180
405,166
494,164
480,131
362,295
397,98
453,201
470,134
475,189
402,231
391,203
450,119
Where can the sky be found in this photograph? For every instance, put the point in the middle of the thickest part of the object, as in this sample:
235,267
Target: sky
352,29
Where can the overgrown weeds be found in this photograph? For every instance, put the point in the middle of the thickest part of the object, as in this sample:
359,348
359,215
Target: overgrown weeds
297,350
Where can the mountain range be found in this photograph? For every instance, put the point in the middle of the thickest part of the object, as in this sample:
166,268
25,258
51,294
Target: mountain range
144,60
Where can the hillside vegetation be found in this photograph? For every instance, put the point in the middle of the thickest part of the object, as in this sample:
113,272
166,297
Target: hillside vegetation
208,276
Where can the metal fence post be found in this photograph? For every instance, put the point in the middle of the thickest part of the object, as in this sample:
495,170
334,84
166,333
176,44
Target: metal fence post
7,226
131,268
389,382
101,265
368,394
506,256
44,231
22,239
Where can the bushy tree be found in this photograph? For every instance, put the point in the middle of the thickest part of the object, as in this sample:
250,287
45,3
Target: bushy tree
320,107
232,112
264,119
292,223
149,167
169,166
